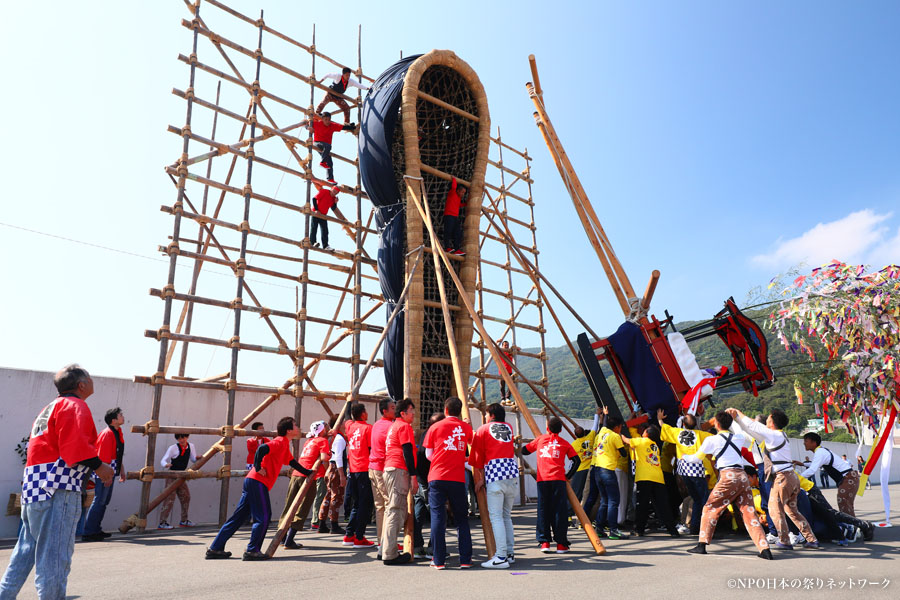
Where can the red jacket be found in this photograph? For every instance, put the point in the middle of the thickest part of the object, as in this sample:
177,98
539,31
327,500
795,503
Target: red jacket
323,132
451,206
324,200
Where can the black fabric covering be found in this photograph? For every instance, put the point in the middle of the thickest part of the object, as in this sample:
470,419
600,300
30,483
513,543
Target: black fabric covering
379,123
642,370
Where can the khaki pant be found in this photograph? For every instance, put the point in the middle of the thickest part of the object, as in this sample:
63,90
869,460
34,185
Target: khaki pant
379,496
293,488
783,500
733,486
846,493
334,498
396,484
184,497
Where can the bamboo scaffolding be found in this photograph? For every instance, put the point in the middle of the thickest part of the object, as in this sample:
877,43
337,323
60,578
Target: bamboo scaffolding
284,254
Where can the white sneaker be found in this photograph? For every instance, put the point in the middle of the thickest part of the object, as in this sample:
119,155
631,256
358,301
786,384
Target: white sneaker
164,525
496,563
771,538
858,537
328,248
681,528
511,559
797,539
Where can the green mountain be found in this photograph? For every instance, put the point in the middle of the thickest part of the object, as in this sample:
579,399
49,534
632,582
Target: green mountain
569,389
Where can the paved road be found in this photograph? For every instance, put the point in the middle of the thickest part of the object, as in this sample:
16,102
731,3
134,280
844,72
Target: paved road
170,565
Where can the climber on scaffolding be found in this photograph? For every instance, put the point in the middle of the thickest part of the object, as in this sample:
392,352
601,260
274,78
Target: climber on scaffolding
453,232
323,132
342,81
322,201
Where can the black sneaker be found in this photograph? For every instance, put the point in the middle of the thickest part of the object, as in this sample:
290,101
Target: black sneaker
255,556
400,559
93,537
216,554
323,527
335,528
291,545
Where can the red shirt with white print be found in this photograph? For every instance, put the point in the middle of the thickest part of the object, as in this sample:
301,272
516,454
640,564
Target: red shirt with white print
448,439
278,456
552,452
308,455
379,437
400,433
359,438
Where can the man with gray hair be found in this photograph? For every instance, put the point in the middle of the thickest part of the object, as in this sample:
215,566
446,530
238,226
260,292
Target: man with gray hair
62,452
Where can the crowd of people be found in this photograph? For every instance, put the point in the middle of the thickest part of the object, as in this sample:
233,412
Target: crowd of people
729,474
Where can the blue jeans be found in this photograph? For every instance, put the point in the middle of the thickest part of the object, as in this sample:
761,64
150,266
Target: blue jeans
764,488
46,542
608,486
578,481
699,491
551,512
254,501
439,493
360,489
102,496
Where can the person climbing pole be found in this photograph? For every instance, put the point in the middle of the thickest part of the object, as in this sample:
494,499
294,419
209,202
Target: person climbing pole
452,222
323,132
322,201
342,81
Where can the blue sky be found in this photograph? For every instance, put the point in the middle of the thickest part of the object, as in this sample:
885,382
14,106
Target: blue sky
720,143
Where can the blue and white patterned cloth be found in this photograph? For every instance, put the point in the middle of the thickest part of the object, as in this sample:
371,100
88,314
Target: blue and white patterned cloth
40,481
690,469
499,469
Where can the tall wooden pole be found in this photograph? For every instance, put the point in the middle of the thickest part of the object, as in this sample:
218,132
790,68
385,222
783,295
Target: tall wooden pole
414,185
520,402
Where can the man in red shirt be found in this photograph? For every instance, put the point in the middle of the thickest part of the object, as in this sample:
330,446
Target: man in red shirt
323,132
315,448
494,466
110,449
551,485
453,232
445,446
253,443
505,360
62,451
359,441
322,201
399,480
267,463
376,461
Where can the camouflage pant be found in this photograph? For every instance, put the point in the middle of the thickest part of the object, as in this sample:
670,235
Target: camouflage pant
334,497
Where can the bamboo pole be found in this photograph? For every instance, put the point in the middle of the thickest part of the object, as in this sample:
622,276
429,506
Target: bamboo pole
150,457
461,390
520,402
292,511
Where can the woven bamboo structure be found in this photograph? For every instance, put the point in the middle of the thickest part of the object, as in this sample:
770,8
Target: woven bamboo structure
244,184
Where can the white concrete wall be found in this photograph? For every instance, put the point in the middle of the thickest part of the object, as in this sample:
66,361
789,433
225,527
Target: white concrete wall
25,393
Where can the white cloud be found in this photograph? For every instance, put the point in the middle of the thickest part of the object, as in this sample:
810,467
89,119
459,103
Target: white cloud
858,238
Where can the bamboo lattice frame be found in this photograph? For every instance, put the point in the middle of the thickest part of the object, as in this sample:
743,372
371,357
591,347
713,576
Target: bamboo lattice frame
220,223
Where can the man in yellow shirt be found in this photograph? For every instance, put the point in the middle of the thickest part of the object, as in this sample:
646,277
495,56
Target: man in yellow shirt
584,446
608,447
687,440
648,477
